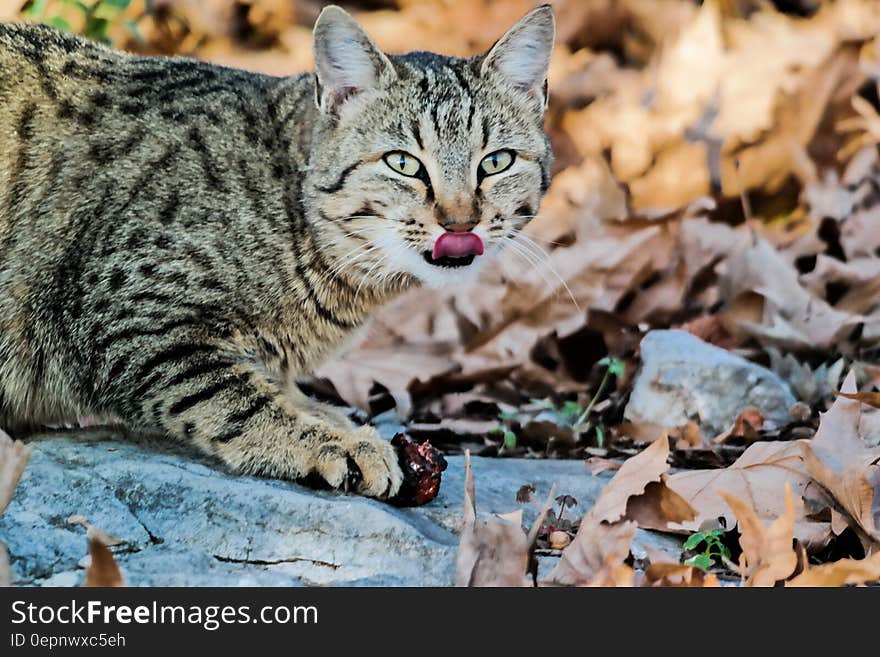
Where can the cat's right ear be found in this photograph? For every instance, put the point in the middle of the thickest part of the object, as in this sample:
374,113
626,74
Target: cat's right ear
522,55
347,62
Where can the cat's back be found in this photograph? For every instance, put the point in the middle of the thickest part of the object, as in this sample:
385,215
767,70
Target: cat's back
76,117
72,82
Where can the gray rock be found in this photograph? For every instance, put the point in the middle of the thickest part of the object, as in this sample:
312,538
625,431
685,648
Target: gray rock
683,378
186,523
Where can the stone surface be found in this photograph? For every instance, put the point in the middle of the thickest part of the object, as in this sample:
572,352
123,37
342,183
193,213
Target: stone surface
186,523
683,378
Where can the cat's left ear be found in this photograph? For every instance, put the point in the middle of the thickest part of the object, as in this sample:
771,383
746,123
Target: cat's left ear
522,55
347,62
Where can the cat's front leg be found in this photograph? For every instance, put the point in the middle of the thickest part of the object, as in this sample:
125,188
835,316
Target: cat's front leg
232,411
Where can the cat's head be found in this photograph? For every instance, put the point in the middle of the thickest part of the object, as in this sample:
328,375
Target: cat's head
424,164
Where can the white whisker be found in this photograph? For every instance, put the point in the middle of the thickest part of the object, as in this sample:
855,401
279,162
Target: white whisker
538,251
540,261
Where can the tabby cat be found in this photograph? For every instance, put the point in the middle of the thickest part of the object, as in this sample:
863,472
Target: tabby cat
179,240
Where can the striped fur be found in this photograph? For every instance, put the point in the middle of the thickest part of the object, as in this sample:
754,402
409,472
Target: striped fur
178,240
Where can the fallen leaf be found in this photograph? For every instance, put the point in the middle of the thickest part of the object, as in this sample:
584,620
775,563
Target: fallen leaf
846,469
604,536
790,316
659,506
631,480
95,534
103,569
14,457
756,477
745,425
840,573
869,398
767,554
490,552
597,465
5,568
594,555
677,575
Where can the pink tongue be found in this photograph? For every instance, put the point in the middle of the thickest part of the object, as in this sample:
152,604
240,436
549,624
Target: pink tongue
457,245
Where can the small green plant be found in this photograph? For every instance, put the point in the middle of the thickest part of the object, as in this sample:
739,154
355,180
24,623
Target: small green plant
713,548
582,425
573,415
508,436
98,15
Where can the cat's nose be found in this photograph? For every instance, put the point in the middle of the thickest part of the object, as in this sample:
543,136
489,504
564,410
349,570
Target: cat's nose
458,226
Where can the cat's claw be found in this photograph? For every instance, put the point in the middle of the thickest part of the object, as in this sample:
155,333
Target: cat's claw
361,460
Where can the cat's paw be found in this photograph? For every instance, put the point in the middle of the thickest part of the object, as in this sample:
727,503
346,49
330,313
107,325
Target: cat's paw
377,473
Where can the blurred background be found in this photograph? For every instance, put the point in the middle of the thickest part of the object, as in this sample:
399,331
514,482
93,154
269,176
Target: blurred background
716,170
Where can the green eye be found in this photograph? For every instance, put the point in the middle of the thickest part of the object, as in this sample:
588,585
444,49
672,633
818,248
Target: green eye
403,163
497,162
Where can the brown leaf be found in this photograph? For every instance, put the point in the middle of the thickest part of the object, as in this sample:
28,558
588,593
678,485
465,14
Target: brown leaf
745,425
14,457
659,506
790,316
93,533
642,432
710,328
490,552
597,465
846,469
840,573
631,480
767,553
869,398
757,477
677,575
5,568
603,538
595,554
103,569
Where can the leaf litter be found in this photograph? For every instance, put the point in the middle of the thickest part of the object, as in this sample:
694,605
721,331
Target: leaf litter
717,170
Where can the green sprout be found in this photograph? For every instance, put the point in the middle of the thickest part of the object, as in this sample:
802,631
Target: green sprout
508,436
613,366
713,548
572,414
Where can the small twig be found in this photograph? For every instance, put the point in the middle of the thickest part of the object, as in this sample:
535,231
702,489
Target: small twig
539,521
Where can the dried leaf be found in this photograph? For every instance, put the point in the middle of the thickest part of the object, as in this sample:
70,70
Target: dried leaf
678,575
756,477
869,398
745,425
491,552
767,553
14,457
791,317
93,533
847,470
631,480
597,465
5,568
659,506
840,573
603,538
103,569
595,554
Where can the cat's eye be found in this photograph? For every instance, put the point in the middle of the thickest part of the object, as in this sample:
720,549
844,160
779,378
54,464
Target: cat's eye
403,163
497,162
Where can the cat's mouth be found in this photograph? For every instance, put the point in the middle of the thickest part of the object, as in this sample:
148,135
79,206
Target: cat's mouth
454,250
448,261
